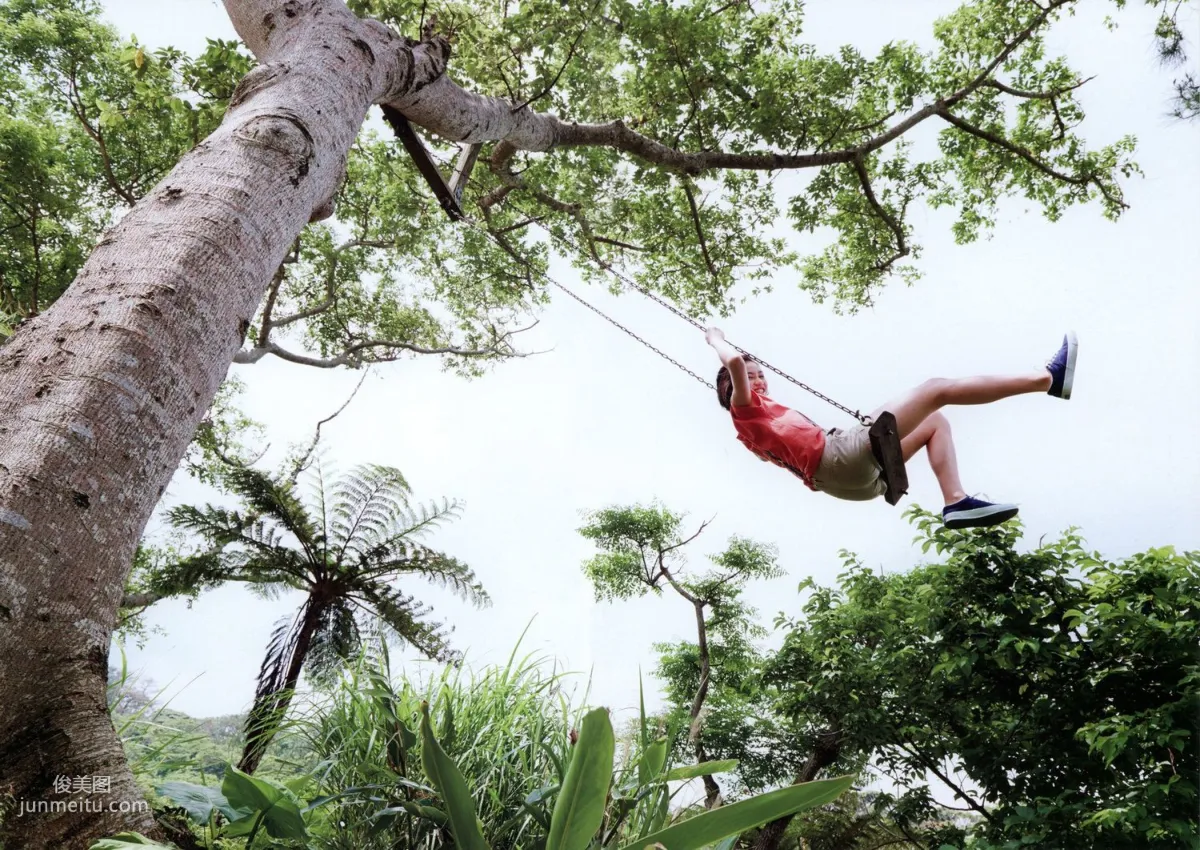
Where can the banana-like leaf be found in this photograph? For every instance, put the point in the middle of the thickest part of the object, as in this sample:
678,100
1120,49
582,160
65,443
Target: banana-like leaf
448,780
579,809
714,825
705,768
651,763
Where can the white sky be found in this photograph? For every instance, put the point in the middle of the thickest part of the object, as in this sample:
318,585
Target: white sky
600,420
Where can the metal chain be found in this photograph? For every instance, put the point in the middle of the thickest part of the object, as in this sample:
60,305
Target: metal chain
599,312
614,322
865,420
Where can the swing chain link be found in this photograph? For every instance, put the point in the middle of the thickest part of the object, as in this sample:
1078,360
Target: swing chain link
865,420
613,321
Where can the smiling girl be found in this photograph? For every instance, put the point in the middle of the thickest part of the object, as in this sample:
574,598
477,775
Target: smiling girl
840,462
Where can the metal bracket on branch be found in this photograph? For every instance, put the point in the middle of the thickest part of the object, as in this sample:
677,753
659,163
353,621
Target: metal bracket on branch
450,194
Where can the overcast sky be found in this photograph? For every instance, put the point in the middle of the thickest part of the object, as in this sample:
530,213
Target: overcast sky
599,420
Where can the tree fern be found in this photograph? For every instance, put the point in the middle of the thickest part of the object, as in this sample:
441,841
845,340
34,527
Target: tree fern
346,548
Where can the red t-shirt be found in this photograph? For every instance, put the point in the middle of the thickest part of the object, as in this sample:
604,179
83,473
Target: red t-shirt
781,435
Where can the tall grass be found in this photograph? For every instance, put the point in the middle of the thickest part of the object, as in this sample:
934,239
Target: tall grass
507,727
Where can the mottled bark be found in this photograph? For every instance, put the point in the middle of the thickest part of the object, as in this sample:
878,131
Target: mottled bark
100,395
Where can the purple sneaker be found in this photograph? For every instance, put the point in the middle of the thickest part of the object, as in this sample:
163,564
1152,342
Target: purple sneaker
1062,367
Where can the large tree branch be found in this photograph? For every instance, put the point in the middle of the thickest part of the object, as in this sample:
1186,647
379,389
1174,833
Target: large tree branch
141,600
453,113
354,355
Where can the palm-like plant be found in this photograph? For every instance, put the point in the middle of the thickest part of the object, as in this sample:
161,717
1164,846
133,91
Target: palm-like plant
346,549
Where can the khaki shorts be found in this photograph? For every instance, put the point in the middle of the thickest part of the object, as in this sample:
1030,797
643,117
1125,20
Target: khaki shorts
848,469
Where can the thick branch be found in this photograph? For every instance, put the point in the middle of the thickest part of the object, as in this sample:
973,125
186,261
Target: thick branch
687,190
860,167
353,355
141,600
453,113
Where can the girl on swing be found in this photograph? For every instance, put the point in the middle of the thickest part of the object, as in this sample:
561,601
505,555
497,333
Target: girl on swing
841,463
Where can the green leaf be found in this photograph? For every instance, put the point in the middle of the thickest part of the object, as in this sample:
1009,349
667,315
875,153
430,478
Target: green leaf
449,782
198,800
126,839
706,768
280,812
651,763
579,810
408,738
243,826
429,813
714,825
642,726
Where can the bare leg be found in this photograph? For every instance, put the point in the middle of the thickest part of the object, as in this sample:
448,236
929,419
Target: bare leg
922,402
934,435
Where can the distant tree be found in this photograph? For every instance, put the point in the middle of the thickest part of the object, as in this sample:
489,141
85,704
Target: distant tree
642,551
350,549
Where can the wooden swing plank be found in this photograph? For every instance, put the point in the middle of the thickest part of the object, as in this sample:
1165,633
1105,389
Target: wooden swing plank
885,445
425,164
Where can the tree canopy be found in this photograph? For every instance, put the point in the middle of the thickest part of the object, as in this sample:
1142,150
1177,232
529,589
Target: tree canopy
683,179
1053,691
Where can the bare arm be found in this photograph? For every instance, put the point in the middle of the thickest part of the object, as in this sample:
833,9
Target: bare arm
732,360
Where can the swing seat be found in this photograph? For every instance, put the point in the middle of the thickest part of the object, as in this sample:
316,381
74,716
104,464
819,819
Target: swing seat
885,445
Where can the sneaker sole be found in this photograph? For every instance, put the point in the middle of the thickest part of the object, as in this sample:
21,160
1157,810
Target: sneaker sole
1069,372
981,517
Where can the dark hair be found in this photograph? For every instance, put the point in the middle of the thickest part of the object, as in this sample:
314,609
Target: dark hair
725,383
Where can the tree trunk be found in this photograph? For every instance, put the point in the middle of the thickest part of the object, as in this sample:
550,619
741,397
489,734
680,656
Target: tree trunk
100,394
712,791
271,703
825,753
